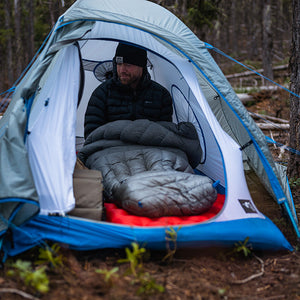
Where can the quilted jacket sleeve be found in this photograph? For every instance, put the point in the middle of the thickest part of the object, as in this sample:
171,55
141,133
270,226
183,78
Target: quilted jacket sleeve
167,109
96,110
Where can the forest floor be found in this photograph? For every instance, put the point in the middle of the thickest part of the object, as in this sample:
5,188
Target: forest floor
238,273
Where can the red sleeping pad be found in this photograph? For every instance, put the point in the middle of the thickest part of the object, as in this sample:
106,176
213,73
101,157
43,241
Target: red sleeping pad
120,216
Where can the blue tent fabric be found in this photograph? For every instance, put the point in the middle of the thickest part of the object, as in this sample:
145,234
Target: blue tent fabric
80,234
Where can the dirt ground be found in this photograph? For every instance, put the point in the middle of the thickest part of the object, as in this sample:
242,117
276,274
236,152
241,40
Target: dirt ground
238,273
217,274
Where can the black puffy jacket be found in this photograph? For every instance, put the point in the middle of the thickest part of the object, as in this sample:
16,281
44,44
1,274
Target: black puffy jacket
113,101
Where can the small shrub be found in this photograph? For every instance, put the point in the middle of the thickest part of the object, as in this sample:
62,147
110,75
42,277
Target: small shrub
35,278
50,256
109,274
171,243
147,285
243,247
134,258
294,182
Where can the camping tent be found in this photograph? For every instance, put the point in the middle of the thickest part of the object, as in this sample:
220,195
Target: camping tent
42,129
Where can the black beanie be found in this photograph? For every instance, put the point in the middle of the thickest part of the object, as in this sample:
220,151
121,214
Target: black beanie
131,55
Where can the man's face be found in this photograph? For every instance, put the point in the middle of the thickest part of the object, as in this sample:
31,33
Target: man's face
129,74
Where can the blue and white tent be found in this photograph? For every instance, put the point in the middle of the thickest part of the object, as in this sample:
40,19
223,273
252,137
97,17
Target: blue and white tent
42,129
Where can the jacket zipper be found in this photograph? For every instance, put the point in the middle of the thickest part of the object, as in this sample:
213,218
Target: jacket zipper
134,105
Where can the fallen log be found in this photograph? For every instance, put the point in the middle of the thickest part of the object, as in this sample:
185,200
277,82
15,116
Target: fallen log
273,126
259,116
254,72
245,97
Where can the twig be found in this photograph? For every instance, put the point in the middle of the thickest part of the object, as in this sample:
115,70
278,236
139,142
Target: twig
251,297
275,297
18,292
262,271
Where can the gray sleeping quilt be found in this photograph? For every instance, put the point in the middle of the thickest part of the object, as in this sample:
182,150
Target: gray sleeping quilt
147,167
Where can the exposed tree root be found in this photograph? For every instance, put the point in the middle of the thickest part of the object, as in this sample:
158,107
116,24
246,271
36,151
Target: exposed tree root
262,271
18,292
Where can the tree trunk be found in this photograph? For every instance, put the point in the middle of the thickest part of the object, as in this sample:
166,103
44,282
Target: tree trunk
226,43
294,161
51,11
267,41
184,8
278,25
8,55
18,53
253,28
30,7
235,27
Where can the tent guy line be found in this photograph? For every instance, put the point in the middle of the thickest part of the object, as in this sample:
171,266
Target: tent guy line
250,69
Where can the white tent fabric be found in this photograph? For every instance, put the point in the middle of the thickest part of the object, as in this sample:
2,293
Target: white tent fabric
51,142
177,74
168,68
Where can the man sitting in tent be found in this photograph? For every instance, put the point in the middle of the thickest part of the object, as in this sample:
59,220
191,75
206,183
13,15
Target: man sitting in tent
130,94
146,160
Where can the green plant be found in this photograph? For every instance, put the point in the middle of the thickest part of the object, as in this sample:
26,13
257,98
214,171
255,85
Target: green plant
171,243
202,13
262,112
135,259
37,278
50,256
253,64
243,247
148,285
294,182
108,274
246,90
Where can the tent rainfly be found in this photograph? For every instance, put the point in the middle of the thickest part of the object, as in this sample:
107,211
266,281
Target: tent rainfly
42,129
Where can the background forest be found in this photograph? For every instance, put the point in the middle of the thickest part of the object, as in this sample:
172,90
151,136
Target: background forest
255,32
